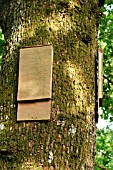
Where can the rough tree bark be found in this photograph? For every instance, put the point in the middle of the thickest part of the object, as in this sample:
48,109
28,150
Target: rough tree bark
67,140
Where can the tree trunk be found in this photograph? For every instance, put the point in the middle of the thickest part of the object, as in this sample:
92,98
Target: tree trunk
67,140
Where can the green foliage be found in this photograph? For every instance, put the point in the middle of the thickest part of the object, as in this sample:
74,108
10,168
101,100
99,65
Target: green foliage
104,156
104,152
106,42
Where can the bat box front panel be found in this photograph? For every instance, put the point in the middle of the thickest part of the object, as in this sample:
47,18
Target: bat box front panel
35,73
34,110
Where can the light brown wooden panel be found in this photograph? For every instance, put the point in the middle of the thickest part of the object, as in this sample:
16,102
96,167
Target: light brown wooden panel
38,110
35,73
100,73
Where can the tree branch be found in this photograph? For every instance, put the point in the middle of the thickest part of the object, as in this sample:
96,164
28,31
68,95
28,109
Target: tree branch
107,156
99,166
108,79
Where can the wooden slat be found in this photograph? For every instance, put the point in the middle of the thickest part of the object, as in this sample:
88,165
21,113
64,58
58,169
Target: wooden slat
38,110
35,73
100,73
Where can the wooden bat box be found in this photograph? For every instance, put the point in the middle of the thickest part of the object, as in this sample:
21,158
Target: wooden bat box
35,83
